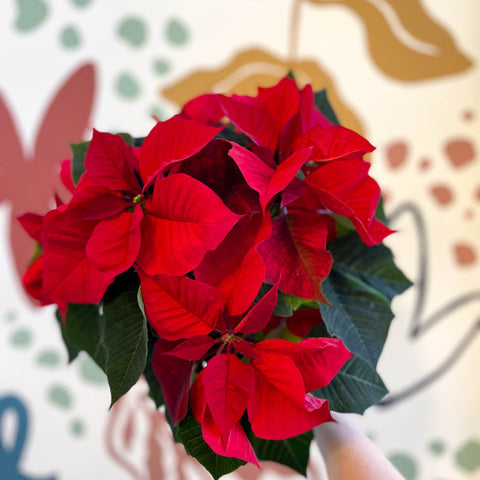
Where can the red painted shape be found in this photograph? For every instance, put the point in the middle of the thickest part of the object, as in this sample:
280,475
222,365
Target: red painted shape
29,182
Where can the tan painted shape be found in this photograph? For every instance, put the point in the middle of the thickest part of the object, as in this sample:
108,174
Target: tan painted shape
255,68
404,41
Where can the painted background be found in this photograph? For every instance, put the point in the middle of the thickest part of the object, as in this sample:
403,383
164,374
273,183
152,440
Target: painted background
406,74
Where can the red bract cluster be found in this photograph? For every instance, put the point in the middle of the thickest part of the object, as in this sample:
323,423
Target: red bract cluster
232,194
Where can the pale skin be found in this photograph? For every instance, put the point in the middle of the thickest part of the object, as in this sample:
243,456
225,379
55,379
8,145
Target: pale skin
349,454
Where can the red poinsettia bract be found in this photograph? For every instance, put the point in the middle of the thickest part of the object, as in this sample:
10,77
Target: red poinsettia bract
269,380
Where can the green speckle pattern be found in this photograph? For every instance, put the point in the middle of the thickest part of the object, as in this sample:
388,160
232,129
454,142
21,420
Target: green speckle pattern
48,358
405,464
21,338
60,397
161,66
468,456
127,87
81,3
133,31
90,371
70,38
437,447
30,14
77,428
177,32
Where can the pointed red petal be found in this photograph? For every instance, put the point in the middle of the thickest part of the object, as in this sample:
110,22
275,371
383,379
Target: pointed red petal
194,348
203,109
278,408
198,403
172,141
32,278
228,383
345,188
333,143
284,174
66,175
281,100
184,220
244,348
318,359
32,224
215,168
295,255
236,444
251,118
259,316
68,276
115,242
179,307
174,375
109,163
235,267
309,114
263,179
303,320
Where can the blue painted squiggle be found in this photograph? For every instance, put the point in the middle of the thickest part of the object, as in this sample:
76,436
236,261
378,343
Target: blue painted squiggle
10,455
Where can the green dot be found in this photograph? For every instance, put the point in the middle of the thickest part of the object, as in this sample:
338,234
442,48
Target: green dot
70,38
405,464
77,427
177,32
90,371
21,338
60,397
11,316
437,447
133,31
81,3
127,86
161,66
468,456
31,13
48,358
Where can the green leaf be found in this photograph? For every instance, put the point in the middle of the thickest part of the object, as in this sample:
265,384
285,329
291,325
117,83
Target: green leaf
125,340
322,103
355,388
374,265
292,452
189,432
359,314
81,331
79,151
129,140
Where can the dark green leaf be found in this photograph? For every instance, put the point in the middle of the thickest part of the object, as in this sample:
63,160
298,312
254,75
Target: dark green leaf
380,212
189,432
359,314
292,452
129,140
294,303
78,160
82,332
322,103
125,334
355,388
374,265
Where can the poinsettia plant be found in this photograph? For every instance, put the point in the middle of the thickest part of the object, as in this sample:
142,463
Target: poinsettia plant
234,258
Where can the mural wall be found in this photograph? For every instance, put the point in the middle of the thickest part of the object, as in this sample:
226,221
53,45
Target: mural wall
405,74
